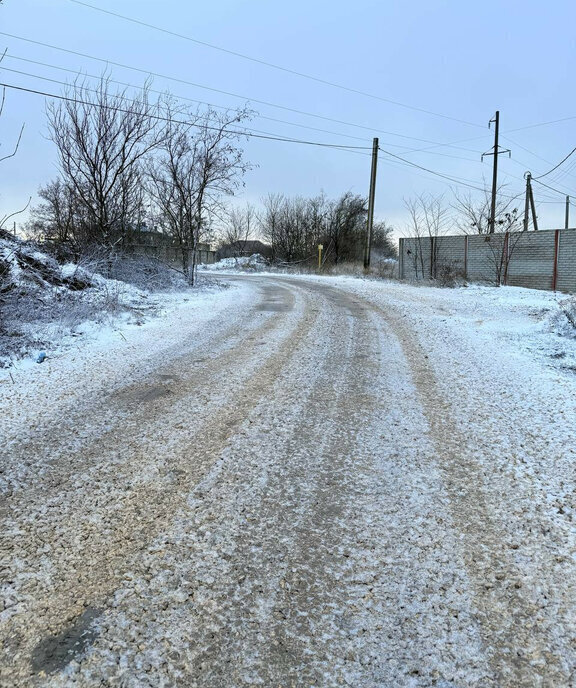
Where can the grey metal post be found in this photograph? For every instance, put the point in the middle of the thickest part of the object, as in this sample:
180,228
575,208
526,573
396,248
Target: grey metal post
567,216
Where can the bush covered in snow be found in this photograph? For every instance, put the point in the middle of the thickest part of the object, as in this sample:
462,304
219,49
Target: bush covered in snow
564,321
43,300
253,263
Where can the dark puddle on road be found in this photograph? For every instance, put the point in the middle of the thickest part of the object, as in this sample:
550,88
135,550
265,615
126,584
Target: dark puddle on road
274,307
54,653
169,378
154,393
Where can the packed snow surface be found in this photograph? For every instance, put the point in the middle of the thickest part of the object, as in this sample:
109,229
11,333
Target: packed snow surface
253,263
297,481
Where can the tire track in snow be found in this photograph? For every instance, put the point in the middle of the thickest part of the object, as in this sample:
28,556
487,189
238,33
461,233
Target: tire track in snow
269,488
291,566
82,542
519,651
33,456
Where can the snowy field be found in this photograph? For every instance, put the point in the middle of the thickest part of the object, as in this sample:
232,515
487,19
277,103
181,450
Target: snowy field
297,481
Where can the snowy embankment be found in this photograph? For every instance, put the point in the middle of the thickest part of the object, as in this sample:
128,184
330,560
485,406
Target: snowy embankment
241,264
47,307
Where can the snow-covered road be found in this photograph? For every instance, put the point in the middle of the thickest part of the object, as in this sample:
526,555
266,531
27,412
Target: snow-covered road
297,482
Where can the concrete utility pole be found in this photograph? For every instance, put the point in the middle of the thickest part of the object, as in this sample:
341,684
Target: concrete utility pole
494,172
370,220
496,152
533,206
529,204
567,215
527,201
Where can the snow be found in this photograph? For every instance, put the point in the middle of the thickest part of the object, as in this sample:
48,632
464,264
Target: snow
51,307
302,481
253,263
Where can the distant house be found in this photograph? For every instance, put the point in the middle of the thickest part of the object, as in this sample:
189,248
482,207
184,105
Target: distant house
243,248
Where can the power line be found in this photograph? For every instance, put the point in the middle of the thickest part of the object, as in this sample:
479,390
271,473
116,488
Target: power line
121,97
515,143
212,105
149,73
519,162
568,171
200,102
548,187
176,121
351,149
454,180
79,73
272,65
556,166
542,124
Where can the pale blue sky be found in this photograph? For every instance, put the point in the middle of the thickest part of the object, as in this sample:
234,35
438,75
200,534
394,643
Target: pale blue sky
460,59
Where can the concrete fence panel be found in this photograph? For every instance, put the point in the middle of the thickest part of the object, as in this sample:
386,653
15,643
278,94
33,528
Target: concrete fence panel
538,260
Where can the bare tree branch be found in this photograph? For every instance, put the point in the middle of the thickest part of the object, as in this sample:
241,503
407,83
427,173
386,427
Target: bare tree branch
18,212
6,157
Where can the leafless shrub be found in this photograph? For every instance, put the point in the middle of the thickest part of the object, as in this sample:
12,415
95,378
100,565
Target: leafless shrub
448,274
429,218
147,273
473,217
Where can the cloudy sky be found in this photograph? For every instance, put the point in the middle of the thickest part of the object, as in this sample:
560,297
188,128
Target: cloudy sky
424,76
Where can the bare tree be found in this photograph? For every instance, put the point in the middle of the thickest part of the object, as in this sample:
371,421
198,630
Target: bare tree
269,220
346,226
103,138
58,218
199,162
239,228
295,226
429,218
473,216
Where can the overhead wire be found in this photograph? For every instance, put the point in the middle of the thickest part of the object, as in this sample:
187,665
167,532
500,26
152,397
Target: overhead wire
125,98
560,174
542,124
200,102
549,187
272,65
266,135
149,73
454,180
541,176
356,149
79,73
176,121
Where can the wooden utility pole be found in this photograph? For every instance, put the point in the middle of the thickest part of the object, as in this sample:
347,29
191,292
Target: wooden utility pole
567,214
370,220
495,152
